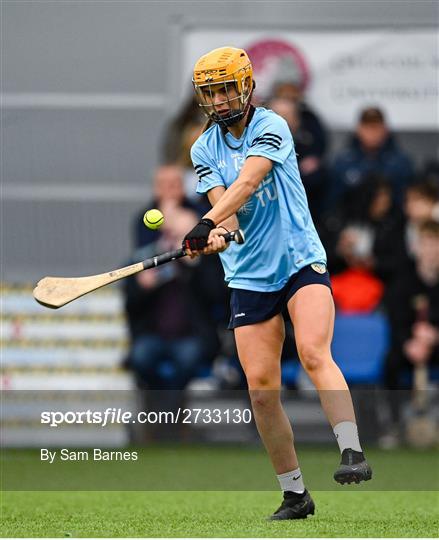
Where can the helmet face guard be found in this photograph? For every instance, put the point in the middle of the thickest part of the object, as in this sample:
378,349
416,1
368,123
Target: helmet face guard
236,103
225,72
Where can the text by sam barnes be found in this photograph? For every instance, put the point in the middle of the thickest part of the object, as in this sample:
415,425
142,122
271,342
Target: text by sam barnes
95,454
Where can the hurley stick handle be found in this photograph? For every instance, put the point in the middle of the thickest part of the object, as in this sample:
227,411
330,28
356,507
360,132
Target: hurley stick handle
232,236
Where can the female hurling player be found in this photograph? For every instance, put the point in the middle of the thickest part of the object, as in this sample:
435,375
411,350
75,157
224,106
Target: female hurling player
246,163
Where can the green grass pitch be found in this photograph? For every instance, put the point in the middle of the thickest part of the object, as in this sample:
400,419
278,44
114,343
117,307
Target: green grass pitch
215,514
349,511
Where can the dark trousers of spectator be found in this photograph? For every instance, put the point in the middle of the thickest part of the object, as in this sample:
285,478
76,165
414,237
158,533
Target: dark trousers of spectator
398,380
397,383
163,369
166,364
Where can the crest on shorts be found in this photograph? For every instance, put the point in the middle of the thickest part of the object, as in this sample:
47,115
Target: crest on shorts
319,268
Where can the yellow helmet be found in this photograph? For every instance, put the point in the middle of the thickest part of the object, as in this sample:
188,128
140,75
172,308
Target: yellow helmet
223,70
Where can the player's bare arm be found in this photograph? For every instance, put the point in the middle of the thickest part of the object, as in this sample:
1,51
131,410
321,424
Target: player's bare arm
215,242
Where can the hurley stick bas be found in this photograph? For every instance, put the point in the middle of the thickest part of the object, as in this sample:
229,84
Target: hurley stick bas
55,292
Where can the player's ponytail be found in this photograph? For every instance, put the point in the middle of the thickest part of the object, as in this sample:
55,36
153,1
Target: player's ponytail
207,125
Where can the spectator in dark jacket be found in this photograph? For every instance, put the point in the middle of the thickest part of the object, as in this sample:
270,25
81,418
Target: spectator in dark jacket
364,240
373,149
172,314
172,330
172,310
310,144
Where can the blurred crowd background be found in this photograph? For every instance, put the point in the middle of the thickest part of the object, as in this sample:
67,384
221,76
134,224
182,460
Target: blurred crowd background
96,132
378,217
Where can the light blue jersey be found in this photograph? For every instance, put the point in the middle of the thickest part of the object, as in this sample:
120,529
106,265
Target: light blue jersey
279,231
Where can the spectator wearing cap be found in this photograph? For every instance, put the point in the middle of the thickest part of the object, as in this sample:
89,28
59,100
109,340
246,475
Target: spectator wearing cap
372,149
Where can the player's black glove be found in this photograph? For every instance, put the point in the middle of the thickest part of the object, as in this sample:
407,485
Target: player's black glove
196,239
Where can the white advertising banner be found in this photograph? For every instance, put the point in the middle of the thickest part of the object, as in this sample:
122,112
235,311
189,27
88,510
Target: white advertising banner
341,72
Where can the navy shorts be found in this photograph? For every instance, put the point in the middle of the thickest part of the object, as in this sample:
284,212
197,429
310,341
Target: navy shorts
250,307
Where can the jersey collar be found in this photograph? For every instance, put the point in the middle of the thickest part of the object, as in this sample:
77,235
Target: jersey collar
226,132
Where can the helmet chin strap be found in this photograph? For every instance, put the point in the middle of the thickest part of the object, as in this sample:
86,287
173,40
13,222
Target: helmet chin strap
225,122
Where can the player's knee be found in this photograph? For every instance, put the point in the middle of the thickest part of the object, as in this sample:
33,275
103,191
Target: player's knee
264,399
264,390
312,356
261,380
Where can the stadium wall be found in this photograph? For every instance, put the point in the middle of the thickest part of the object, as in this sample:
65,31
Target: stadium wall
87,88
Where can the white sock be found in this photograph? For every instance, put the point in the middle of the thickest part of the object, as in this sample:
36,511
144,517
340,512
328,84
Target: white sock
291,481
346,434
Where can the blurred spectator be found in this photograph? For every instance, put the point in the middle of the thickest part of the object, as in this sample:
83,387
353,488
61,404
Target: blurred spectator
312,127
168,193
310,138
174,310
290,89
372,149
173,148
180,134
168,312
310,143
430,173
364,240
421,204
414,317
